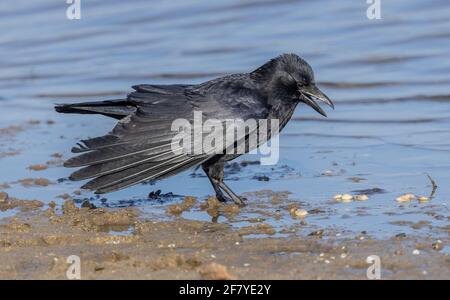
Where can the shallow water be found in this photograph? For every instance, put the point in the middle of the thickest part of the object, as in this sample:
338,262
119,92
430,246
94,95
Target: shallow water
389,79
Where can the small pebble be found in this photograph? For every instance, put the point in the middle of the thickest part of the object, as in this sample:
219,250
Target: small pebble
437,245
316,233
423,199
416,252
87,204
361,197
343,255
406,198
327,173
300,213
3,197
99,268
338,197
400,235
347,198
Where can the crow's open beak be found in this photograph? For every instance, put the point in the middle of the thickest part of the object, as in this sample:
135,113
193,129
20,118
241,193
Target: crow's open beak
311,93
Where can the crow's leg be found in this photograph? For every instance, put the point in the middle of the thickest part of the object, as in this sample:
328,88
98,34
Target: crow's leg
215,175
214,178
233,196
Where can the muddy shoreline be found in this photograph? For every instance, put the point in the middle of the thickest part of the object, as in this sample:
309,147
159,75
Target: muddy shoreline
119,244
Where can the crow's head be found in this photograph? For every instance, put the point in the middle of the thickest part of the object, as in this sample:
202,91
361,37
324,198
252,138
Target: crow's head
292,78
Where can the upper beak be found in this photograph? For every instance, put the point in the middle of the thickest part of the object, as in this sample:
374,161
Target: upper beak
312,92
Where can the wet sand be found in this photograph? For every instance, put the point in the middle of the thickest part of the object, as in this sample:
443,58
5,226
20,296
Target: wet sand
119,244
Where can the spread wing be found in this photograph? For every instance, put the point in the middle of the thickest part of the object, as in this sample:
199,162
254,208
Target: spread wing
141,146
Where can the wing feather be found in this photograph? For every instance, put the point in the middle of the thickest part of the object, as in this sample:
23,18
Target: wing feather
140,147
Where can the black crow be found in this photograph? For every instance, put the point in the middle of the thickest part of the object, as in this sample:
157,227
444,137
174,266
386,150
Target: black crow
139,148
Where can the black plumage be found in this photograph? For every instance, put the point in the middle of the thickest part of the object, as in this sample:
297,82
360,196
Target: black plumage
139,148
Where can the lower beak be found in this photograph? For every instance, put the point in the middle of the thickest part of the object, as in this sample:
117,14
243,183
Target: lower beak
312,93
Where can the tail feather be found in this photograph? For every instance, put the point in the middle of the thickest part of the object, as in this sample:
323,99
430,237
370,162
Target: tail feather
112,108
